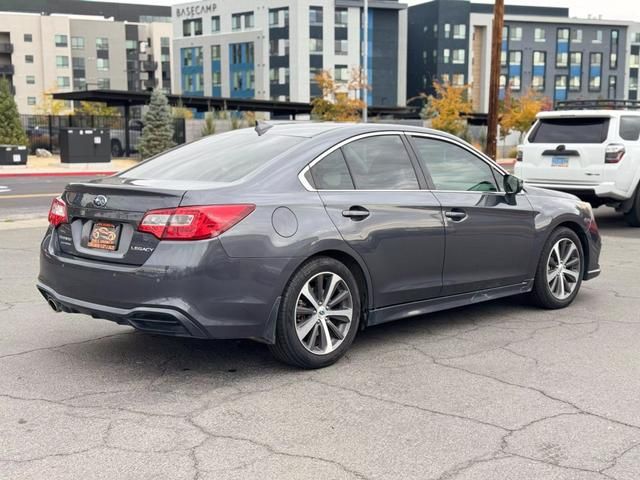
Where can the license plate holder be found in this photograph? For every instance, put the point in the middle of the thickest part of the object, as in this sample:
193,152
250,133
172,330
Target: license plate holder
104,236
562,162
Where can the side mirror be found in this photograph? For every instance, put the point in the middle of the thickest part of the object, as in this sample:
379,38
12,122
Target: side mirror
512,185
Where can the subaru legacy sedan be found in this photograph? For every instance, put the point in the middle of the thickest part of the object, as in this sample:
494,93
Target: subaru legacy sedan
300,235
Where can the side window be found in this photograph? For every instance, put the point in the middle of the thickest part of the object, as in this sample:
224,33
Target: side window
453,168
331,173
630,128
380,163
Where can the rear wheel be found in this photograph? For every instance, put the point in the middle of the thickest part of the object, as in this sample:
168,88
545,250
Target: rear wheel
560,270
633,216
319,315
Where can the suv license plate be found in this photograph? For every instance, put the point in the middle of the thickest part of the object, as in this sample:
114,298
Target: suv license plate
560,161
104,236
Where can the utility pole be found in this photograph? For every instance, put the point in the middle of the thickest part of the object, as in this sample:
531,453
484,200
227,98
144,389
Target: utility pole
365,60
494,81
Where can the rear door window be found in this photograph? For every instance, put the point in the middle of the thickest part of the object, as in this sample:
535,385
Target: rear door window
630,128
570,130
380,163
331,173
220,158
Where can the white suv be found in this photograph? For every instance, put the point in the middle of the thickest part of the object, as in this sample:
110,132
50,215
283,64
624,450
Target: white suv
594,154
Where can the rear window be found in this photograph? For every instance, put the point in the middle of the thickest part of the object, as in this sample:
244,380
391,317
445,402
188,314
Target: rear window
221,158
570,130
630,128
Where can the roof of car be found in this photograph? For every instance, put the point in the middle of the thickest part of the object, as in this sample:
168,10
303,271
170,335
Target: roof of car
312,129
587,113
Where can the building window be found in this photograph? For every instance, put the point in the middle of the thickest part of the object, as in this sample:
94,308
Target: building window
516,34
595,72
342,17
342,73
636,37
131,44
31,100
315,15
560,92
31,80
187,57
342,47
458,80
63,82
216,79
28,37
576,35
61,41
62,61
315,46
515,57
540,35
562,48
447,30
445,79
192,27
249,20
78,63
102,64
77,43
539,71
458,56
515,84
460,31
613,54
79,83
102,43
104,83
165,41
238,19
278,17
215,52
215,24
575,72
598,38
446,55
613,86
199,58
28,59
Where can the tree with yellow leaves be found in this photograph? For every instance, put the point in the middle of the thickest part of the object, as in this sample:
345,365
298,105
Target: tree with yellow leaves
338,102
518,114
447,107
48,106
96,109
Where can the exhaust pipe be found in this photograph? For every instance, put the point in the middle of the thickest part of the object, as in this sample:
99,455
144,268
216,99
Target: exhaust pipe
53,304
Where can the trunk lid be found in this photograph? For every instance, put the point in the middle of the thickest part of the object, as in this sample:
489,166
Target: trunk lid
566,150
104,216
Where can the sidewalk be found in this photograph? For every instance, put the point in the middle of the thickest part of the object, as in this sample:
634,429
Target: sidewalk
51,166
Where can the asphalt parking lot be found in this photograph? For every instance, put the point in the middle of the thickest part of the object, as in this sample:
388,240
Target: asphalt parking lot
493,391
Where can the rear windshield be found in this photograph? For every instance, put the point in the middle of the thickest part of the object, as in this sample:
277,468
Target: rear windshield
220,158
570,130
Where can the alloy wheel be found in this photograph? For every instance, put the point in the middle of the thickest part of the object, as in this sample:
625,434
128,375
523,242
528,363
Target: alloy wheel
564,267
324,311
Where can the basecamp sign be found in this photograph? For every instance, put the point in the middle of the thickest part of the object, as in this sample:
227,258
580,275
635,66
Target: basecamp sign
196,10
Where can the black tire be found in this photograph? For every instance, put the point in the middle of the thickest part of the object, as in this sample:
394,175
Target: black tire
633,216
288,348
542,294
116,148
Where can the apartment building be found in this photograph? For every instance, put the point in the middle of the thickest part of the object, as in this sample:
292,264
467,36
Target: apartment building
543,50
110,46
273,49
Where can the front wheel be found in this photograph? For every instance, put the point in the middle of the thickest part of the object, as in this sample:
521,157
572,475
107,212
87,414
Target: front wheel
560,270
319,315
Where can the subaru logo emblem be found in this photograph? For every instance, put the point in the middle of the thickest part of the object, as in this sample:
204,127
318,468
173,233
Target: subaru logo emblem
100,201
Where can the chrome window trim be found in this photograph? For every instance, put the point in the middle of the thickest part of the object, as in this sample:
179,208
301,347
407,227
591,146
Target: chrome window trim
435,136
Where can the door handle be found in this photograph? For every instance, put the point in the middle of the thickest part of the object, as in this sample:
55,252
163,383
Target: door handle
356,213
456,215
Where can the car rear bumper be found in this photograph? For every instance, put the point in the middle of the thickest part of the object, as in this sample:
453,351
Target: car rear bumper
185,289
584,191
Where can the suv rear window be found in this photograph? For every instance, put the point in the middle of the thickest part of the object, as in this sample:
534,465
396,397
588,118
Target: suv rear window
570,130
220,158
630,128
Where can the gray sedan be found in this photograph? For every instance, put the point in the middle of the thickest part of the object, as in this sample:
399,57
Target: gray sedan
300,235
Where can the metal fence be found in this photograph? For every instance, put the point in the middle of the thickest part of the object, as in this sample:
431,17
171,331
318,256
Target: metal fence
43,131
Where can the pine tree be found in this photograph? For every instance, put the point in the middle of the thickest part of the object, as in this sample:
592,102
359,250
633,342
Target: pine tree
11,131
157,133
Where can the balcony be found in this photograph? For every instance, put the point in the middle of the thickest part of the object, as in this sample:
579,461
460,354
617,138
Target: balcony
149,66
7,70
6,47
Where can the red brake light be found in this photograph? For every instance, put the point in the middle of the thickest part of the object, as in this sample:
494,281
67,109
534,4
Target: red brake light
193,223
58,212
614,153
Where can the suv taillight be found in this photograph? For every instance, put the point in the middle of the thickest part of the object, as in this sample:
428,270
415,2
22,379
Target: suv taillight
58,212
193,223
519,155
614,153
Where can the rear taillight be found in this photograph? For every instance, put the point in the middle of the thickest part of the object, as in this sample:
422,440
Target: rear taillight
519,156
58,212
193,223
614,153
